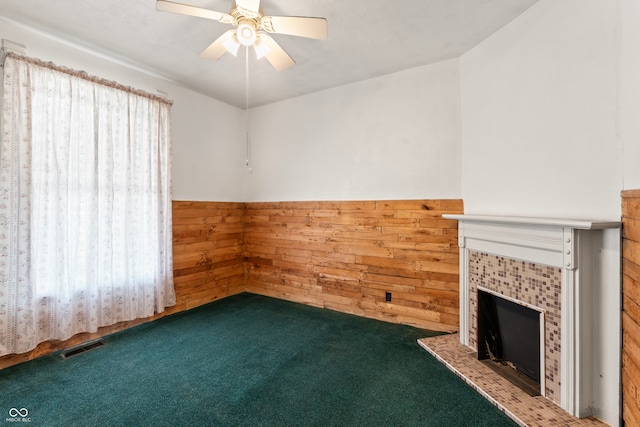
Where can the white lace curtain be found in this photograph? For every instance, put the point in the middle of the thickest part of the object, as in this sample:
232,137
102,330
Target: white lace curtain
85,205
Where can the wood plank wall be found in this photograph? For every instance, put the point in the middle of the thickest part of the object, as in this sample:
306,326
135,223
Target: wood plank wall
208,240
208,265
345,256
631,307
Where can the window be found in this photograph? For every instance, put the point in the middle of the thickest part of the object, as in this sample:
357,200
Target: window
85,204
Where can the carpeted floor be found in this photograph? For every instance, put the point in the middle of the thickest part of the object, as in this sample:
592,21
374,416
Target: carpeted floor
248,360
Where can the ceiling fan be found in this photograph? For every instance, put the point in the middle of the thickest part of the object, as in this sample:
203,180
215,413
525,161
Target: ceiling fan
252,29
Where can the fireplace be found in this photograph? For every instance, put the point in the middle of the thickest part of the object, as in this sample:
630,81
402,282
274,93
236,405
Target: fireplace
527,284
567,272
510,340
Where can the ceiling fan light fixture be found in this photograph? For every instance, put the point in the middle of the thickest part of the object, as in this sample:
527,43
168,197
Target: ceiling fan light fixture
261,48
232,45
246,33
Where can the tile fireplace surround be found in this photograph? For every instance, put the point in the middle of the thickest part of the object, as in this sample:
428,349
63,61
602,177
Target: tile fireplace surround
568,269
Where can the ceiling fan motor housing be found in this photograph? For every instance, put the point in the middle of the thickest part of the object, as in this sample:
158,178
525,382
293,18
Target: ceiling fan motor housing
248,23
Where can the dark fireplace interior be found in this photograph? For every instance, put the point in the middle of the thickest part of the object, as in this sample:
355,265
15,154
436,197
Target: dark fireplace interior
509,340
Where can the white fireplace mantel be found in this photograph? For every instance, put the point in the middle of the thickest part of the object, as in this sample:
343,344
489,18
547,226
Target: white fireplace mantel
588,253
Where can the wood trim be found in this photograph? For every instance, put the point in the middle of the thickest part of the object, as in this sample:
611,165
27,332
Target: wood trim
633,194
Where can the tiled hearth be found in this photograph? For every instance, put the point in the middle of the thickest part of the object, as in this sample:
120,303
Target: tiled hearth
569,272
518,405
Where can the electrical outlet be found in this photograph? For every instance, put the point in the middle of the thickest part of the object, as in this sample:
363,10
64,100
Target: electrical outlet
387,297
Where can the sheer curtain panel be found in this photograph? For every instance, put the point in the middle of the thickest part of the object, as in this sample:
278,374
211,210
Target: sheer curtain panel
85,204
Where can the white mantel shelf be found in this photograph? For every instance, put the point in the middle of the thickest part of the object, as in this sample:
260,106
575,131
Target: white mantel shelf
579,224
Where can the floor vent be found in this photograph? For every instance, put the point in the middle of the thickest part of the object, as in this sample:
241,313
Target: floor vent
89,345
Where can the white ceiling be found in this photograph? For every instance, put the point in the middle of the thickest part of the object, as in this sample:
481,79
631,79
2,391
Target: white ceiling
367,38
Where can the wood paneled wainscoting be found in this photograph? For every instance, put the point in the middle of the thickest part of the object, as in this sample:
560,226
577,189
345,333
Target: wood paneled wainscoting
208,265
631,307
347,256
343,256
208,240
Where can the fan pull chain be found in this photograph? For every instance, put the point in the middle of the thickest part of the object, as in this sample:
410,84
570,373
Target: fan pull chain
248,142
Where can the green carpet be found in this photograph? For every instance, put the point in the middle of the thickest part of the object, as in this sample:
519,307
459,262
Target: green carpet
248,360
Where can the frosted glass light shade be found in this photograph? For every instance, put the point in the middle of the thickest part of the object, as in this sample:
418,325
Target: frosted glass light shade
246,33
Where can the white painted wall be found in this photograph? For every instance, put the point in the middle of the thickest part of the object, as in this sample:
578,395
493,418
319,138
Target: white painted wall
392,137
207,158
540,114
208,153
630,91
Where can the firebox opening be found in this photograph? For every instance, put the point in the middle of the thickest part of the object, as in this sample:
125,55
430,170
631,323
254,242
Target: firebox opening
509,340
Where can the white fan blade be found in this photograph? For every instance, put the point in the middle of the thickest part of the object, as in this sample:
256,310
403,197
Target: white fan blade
217,48
277,56
302,26
249,8
185,9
